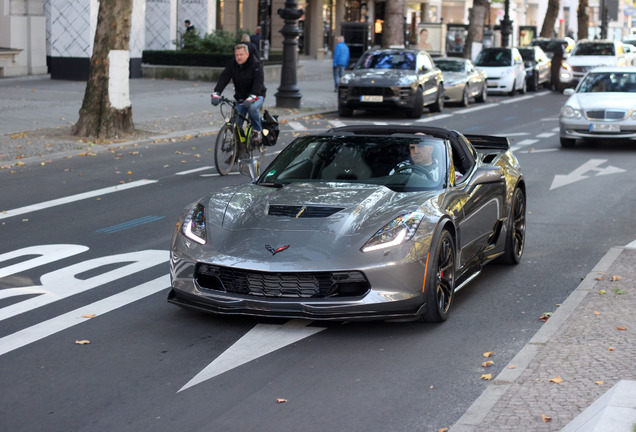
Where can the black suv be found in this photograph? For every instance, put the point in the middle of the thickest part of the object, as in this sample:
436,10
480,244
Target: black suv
392,78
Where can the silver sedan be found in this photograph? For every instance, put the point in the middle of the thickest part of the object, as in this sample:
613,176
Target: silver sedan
462,80
603,106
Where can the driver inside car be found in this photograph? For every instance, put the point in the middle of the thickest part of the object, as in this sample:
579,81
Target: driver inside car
421,155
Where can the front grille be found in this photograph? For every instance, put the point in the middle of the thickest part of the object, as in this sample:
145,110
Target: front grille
285,285
370,91
606,114
296,211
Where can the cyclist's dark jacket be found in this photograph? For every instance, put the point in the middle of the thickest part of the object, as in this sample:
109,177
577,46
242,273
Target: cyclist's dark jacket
248,79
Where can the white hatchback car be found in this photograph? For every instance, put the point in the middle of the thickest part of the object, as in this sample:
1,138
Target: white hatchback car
504,68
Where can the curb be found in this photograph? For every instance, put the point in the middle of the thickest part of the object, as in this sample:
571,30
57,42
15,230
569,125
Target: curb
478,411
169,136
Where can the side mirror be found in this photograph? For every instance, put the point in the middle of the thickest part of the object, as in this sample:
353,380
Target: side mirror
487,175
568,91
248,167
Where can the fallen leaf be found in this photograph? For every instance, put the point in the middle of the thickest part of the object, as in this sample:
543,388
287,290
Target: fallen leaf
486,377
597,313
488,363
512,367
279,400
599,278
602,292
557,380
621,328
545,418
611,348
598,382
89,315
619,291
445,429
487,354
615,278
82,342
545,316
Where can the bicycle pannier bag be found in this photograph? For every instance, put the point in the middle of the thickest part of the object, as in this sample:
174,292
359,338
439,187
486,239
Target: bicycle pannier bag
270,128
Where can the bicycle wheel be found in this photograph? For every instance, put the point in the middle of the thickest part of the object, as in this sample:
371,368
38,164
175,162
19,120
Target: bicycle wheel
225,150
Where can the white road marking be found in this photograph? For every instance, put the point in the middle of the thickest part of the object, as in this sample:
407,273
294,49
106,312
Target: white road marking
579,173
546,135
218,175
433,118
519,99
73,318
297,126
526,142
205,168
261,340
337,123
556,129
540,151
476,108
73,198
632,245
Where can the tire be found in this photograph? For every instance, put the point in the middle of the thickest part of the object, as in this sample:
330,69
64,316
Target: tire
225,150
511,93
439,290
465,97
483,96
343,111
438,106
418,105
516,233
567,142
534,83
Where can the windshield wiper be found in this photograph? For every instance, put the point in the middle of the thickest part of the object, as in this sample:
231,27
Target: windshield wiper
272,184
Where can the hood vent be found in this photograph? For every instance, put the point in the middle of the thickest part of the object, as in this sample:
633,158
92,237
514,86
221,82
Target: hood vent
291,211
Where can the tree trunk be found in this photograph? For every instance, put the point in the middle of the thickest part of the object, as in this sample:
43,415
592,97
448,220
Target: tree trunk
583,20
550,19
106,111
393,29
476,22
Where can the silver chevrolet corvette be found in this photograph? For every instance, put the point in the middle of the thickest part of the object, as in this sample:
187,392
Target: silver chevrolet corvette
351,225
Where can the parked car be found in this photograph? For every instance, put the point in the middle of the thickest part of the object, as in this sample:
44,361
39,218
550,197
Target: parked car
462,80
549,44
603,106
345,225
588,54
630,54
405,79
537,66
504,69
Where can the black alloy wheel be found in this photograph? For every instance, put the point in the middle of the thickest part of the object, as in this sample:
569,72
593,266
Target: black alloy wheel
439,289
438,106
418,105
516,235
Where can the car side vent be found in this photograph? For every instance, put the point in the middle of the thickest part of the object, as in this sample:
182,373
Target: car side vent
292,211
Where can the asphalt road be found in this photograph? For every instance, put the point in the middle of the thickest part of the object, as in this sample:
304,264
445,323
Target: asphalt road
151,366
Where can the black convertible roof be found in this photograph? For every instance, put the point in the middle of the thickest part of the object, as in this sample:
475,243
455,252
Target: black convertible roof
393,130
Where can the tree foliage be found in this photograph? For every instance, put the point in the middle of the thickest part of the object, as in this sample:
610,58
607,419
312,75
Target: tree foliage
97,116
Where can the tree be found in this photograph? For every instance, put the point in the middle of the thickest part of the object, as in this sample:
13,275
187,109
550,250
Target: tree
106,111
476,22
393,29
583,20
550,19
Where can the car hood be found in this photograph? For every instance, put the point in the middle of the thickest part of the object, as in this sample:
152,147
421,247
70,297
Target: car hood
381,77
497,71
240,224
592,60
451,77
619,101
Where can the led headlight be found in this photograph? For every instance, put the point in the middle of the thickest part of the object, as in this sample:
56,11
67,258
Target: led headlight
571,112
194,224
398,231
345,79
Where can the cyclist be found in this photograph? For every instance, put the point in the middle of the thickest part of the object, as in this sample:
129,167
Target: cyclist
246,72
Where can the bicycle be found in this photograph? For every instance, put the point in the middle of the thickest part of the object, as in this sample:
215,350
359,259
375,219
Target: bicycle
230,136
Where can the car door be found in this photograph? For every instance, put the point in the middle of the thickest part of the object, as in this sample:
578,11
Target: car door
519,67
428,76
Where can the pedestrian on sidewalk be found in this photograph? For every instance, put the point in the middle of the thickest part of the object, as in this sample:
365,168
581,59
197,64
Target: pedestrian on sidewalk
340,60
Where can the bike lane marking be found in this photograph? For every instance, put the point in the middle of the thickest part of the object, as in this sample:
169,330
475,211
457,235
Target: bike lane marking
49,327
73,198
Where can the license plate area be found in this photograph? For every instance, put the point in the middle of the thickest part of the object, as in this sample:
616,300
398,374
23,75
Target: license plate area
604,127
371,98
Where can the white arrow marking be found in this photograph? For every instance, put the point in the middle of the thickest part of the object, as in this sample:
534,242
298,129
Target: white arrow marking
579,173
261,340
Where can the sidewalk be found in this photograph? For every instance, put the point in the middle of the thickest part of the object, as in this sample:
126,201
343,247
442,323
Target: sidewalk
581,343
36,113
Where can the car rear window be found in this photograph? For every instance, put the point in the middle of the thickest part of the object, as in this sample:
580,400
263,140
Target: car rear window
594,49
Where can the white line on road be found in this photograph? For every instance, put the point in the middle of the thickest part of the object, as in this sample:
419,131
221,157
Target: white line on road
546,135
526,142
73,198
519,99
476,108
205,168
73,318
433,118
297,126
337,123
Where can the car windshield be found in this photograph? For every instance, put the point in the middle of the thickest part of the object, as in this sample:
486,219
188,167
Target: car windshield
547,45
450,65
387,60
606,82
527,54
594,49
403,163
494,57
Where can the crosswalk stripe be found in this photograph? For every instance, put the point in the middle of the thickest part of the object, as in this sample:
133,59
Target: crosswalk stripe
297,126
